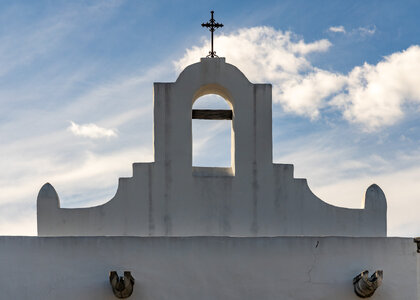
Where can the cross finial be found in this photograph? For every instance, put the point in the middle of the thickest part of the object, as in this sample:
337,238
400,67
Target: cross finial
212,25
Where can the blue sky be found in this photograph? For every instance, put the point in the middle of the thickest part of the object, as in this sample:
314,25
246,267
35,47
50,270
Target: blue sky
76,94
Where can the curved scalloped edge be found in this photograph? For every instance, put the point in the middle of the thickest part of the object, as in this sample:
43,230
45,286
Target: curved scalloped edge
222,60
375,198
48,196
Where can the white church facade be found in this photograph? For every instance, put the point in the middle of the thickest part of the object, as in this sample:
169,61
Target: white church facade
248,231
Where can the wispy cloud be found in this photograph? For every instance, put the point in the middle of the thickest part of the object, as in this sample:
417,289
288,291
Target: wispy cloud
87,180
91,130
39,143
360,31
337,29
339,172
25,44
370,30
211,143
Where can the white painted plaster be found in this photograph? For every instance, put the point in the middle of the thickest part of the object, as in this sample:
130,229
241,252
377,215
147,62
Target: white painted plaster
252,198
191,268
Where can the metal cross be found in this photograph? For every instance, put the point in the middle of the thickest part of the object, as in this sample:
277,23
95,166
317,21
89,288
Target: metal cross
212,27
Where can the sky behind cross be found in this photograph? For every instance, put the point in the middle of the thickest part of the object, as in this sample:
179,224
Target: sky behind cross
76,91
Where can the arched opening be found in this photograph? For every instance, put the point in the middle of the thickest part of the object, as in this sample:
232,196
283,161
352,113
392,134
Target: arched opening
212,135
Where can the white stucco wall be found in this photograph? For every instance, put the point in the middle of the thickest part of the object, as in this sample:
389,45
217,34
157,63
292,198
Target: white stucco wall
203,268
418,275
252,198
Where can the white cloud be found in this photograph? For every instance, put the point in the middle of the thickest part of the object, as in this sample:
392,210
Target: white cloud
268,55
91,130
371,95
262,53
375,95
306,94
337,29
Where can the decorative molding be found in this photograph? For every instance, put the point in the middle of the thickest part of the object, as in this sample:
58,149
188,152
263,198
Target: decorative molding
122,286
365,286
417,241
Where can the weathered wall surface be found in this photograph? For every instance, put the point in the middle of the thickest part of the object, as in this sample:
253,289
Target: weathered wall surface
252,198
418,275
206,267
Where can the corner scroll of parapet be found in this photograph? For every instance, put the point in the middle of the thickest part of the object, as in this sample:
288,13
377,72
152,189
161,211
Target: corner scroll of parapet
375,204
47,196
375,198
47,203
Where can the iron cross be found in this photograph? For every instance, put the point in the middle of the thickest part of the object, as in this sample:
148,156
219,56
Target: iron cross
212,27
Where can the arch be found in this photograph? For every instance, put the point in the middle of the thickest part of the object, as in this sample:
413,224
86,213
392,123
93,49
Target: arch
221,141
216,89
